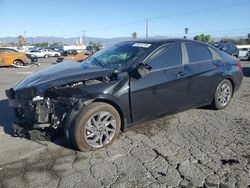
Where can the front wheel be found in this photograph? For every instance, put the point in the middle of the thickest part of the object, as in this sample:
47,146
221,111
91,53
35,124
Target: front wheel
223,95
96,126
46,56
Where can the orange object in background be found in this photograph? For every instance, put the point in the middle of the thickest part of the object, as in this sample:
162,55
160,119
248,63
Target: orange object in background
77,57
9,57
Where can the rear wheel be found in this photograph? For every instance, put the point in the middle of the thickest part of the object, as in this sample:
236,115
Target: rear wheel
96,126
46,56
223,95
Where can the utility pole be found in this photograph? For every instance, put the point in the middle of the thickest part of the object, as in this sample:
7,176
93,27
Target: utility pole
84,37
147,28
62,39
25,38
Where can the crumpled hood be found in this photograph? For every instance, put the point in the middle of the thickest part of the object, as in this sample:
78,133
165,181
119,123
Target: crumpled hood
60,74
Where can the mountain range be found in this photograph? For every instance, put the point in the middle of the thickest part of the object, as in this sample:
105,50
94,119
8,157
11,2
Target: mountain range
69,41
73,40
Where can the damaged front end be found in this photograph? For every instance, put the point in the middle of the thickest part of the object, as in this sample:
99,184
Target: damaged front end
41,109
38,117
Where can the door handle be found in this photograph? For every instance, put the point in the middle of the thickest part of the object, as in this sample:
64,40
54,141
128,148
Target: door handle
180,74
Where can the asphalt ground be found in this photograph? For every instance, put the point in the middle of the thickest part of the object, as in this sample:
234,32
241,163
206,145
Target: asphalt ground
196,148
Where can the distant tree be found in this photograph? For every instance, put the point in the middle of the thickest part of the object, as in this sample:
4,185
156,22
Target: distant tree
41,44
208,38
203,38
134,35
248,35
21,40
198,37
55,44
229,41
242,41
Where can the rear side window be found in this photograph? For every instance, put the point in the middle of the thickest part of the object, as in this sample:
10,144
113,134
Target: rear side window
198,53
168,55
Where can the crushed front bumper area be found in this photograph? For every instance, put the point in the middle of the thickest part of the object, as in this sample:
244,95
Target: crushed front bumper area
35,114
35,120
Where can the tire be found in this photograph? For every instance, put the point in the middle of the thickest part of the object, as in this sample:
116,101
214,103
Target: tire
87,134
223,95
56,55
46,56
18,63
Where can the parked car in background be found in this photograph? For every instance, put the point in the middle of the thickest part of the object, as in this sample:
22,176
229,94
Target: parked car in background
60,51
69,52
248,56
33,57
231,49
91,50
243,53
11,57
38,53
51,52
78,57
122,85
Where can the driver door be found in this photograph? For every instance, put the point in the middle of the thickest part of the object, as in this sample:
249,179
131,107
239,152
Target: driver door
164,89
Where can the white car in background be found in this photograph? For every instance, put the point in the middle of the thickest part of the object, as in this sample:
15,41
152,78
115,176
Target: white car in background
243,52
43,53
51,53
38,53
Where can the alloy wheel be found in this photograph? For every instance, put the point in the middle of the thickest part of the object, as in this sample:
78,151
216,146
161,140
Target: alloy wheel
100,129
224,94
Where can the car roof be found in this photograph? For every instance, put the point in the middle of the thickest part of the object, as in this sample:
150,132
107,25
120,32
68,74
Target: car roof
163,40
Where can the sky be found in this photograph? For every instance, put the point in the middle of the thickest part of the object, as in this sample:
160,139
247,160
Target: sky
120,18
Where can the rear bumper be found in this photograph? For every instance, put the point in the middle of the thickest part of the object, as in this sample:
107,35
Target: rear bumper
237,79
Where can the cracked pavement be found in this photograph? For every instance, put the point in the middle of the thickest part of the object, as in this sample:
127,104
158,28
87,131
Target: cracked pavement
195,148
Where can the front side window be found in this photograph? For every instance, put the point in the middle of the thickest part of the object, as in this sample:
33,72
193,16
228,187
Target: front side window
168,55
198,53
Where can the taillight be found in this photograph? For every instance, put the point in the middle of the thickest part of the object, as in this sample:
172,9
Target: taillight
238,65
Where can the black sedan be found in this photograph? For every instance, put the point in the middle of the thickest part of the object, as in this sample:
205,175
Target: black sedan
32,57
122,85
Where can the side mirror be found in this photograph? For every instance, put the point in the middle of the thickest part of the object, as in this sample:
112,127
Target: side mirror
143,69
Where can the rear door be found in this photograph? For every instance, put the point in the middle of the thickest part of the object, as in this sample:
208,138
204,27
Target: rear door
206,73
164,89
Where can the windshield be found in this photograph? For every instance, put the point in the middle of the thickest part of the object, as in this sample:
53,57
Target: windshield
119,55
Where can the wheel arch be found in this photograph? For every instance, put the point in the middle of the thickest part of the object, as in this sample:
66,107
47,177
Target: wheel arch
17,60
232,82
